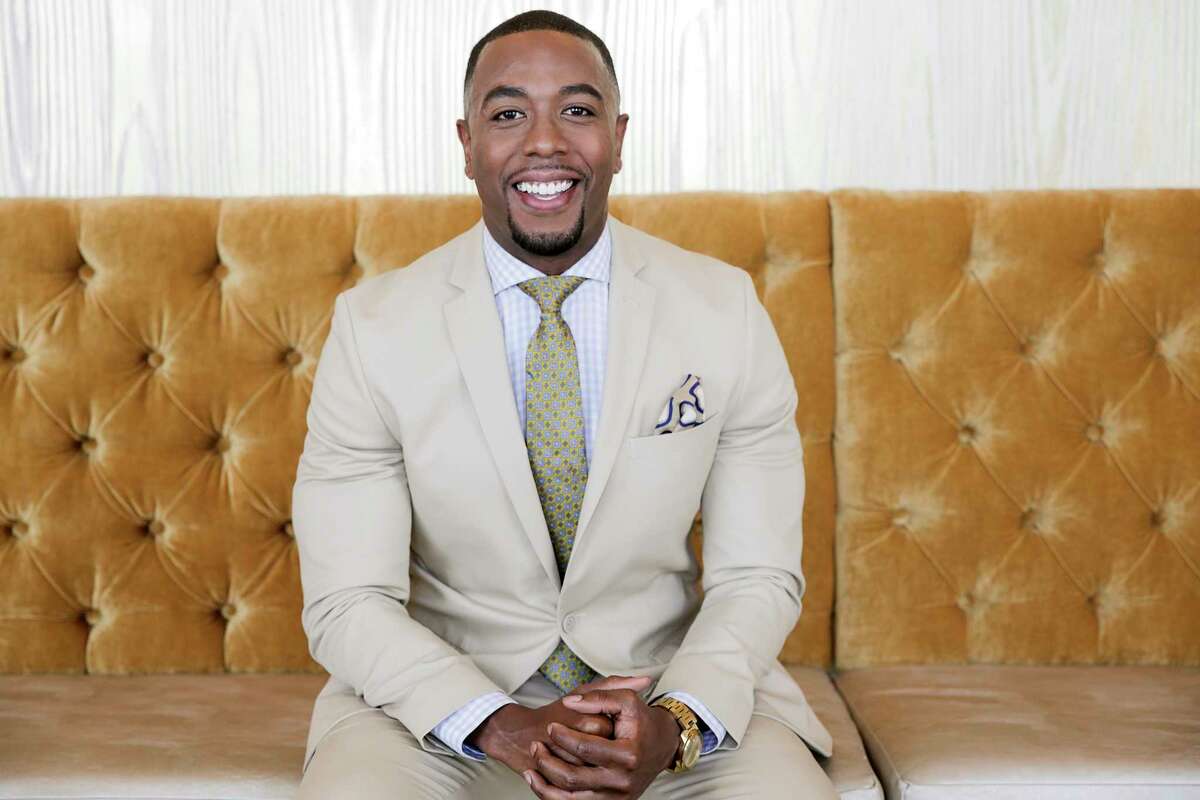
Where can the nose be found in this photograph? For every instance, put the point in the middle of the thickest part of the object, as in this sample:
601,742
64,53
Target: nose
545,137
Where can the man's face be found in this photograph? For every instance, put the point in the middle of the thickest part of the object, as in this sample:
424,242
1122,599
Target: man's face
533,120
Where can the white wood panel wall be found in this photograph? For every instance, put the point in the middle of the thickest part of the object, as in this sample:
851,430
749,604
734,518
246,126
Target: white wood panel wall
255,97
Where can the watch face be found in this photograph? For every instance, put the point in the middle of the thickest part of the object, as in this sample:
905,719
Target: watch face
691,749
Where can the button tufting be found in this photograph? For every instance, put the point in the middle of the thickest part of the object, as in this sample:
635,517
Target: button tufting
154,359
17,528
966,433
1157,518
354,271
1095,432
293,356
287,529
15,354
155,527
228,610
220,272
1029,518
86,272
91,616
966,601
87,444
221,444
901,518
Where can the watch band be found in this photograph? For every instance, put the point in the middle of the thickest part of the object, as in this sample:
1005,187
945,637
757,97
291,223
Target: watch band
689,734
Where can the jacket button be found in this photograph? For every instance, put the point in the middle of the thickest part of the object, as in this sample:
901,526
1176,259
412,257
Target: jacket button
569,623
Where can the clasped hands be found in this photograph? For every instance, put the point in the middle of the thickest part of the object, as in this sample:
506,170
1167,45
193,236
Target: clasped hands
601,741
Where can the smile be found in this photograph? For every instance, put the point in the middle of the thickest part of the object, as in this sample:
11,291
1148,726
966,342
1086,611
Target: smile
547,195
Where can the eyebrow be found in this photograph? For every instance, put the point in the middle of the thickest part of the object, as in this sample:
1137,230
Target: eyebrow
505,90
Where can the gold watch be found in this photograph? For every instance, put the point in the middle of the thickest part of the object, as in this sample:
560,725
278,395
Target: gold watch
689,735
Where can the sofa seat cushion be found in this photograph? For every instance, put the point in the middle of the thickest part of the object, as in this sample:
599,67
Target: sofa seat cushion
1070,732
848,768
154,736
230,736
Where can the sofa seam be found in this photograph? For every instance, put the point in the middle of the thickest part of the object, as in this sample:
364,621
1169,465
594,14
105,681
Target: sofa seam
868,736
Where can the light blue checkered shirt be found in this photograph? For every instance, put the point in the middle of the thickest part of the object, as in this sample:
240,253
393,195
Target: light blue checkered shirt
586,313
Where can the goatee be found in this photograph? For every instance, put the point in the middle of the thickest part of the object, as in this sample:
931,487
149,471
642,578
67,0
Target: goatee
547,244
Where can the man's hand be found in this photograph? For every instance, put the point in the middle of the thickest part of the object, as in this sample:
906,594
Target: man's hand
644,744
508,734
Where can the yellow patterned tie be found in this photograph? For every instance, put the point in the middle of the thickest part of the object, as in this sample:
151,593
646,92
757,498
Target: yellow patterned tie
554,438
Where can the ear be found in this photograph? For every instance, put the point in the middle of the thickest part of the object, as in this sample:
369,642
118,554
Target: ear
464,136
622,121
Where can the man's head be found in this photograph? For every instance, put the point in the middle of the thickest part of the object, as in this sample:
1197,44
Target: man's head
541,112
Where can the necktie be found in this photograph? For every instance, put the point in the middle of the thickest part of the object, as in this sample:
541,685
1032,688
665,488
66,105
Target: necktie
554,439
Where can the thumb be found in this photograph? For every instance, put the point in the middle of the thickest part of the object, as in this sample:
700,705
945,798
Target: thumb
636,683
599,701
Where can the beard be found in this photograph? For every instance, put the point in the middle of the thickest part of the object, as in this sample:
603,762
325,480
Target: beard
547,244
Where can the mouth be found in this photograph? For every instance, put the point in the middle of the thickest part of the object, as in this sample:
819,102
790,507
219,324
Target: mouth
546,196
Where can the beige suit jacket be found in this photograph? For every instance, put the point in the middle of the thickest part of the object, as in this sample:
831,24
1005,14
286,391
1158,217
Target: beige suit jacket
427,569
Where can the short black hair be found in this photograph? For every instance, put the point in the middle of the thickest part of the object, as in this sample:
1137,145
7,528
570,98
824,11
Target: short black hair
539,20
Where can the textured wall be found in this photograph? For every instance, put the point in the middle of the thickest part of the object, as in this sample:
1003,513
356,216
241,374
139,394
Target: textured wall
233,97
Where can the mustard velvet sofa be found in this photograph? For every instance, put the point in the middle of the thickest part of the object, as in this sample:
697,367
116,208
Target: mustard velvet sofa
1000,409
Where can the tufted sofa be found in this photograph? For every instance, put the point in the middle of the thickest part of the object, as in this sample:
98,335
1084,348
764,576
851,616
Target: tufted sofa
1000,409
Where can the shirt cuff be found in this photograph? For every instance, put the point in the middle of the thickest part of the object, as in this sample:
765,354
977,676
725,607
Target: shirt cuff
712,732
455,728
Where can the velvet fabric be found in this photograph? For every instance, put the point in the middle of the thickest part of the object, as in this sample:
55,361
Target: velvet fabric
156,360
1008,384
1018,427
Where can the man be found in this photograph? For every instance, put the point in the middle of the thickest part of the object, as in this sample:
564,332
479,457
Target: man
492,531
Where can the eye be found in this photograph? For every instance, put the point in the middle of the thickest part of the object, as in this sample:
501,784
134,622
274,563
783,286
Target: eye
587,111
501,114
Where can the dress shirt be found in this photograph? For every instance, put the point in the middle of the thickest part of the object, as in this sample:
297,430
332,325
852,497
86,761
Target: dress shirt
585,312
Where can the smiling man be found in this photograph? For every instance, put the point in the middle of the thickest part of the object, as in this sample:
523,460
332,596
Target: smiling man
508,441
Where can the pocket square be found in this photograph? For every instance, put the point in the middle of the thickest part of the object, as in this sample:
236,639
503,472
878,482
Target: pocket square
684,408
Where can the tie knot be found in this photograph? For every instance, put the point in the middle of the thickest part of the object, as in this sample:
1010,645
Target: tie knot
551,290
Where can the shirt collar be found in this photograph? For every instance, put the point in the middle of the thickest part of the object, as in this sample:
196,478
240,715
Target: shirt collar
507,270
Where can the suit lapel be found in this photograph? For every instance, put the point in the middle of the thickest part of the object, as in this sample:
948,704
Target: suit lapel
630,311
478,340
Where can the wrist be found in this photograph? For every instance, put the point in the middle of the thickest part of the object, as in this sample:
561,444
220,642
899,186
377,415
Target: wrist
489,734
670,727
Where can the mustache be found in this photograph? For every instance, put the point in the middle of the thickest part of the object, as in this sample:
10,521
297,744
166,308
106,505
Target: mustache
511,179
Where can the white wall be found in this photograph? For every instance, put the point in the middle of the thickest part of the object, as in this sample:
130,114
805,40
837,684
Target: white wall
237,97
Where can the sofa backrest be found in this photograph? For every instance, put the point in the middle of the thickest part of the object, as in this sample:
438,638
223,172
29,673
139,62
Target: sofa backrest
156,359
1017,432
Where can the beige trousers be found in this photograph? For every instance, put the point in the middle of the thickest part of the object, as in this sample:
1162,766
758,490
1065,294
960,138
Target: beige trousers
368,755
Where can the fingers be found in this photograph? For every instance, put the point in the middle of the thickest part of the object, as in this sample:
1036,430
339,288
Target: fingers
548,791
604,701
575,778
563,754
593,749
594,724
637,683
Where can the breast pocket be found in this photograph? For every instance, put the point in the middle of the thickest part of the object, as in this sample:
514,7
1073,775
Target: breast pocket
667,473
677,444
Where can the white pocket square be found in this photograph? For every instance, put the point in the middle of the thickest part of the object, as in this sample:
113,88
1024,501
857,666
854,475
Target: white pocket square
684,408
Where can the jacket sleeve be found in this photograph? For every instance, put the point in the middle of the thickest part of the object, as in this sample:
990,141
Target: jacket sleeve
352,515
752,509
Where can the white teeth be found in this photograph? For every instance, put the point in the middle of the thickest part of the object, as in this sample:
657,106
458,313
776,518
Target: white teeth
546,189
